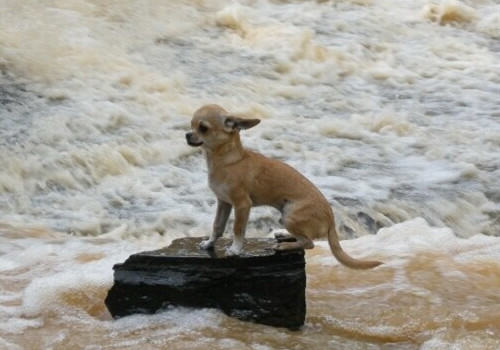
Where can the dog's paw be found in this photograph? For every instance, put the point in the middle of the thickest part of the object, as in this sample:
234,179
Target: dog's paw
233,251
284,236
207,244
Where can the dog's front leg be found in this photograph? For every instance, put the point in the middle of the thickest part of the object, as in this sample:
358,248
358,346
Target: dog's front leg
221,216
242,211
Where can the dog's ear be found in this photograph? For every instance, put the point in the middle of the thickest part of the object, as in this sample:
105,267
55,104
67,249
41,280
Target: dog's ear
234,123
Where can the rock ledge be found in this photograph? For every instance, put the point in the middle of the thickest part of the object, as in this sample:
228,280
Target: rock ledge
261,285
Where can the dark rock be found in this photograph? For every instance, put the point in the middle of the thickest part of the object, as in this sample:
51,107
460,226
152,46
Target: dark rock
261,285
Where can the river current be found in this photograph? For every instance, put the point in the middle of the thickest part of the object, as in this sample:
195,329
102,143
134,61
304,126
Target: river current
390,107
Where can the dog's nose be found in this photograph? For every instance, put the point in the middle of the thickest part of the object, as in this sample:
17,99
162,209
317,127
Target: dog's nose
193,140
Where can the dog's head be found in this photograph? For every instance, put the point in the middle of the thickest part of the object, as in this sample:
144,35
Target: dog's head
212,126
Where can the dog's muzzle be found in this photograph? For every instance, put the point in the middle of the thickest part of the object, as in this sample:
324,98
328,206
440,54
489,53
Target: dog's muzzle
192,141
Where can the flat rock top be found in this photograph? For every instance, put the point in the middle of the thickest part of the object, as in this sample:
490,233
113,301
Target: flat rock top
256,251
189,248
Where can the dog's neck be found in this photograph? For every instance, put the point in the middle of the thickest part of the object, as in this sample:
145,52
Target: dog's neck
225,154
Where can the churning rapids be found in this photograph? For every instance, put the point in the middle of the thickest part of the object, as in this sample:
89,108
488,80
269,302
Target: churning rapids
391,107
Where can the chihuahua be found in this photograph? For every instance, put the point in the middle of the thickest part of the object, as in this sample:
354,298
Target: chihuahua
242,179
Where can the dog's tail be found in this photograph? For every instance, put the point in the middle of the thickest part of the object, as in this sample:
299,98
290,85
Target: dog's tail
342,256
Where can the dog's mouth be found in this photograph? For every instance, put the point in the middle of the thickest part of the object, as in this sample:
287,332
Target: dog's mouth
194,144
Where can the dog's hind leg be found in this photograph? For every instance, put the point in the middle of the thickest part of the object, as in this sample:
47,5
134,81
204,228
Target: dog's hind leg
300,227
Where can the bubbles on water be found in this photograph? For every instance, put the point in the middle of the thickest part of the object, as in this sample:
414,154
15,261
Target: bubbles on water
450,11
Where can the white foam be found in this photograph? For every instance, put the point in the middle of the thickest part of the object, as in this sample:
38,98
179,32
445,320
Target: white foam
450,11
490,22
47,294
390,107
9,345
172,321
16,325
6,264
397,244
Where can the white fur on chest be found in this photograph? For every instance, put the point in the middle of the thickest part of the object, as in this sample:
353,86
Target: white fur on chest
220,189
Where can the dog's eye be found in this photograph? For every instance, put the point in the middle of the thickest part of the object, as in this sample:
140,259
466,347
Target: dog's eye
202,128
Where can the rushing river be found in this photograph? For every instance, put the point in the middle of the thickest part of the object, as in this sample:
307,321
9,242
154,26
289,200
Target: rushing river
391,107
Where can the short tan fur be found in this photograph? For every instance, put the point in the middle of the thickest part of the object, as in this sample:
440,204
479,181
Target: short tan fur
241,179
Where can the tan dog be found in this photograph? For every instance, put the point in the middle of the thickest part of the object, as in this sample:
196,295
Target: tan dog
241,179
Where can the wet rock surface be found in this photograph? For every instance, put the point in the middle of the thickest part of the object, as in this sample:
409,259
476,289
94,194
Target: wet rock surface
261,285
